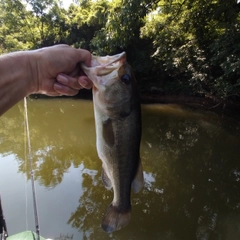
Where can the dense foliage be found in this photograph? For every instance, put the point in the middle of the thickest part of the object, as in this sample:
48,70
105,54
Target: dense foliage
175,46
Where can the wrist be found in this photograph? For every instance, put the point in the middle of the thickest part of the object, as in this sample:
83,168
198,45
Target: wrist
16,79
22,70
33,72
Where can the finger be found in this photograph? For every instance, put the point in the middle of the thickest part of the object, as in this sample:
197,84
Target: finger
69,81
75,72
85,82
84,56
64,90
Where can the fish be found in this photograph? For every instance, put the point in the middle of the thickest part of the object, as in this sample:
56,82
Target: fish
117,113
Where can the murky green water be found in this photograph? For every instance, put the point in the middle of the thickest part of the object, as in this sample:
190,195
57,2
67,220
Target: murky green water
191,166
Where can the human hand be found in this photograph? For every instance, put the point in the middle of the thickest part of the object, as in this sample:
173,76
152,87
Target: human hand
56,70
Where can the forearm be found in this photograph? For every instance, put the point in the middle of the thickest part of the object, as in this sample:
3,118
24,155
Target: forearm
52,70
15,79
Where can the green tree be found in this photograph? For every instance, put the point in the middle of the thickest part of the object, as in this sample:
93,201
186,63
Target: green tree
15,30
190,41
84,21
32,25
121,32
177,46
49,20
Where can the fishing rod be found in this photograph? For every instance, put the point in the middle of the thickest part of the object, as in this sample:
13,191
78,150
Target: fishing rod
3,226
32,172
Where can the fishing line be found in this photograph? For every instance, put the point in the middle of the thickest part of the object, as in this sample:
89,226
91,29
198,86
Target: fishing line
31,169
26,169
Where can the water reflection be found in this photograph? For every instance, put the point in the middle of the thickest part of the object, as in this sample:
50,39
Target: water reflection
190,159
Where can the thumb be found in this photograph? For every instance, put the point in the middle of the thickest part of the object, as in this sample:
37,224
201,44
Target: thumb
84,56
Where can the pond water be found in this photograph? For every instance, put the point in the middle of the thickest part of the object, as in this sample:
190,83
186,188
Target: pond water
191,167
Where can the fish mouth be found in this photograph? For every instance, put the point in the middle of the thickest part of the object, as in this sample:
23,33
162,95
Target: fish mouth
107,60
107,64
104,70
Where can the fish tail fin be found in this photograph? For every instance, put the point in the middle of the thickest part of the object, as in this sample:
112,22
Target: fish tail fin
114,219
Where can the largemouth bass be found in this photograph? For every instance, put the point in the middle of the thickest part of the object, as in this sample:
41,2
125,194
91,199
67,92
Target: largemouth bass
118,131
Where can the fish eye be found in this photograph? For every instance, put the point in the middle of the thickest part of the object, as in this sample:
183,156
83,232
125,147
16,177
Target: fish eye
126,79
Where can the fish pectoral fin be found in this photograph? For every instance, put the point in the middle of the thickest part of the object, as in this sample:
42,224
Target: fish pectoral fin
114,219
107,132
138,181
106,180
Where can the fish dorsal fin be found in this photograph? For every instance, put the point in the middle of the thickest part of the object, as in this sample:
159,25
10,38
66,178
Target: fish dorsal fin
138,180
106,180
